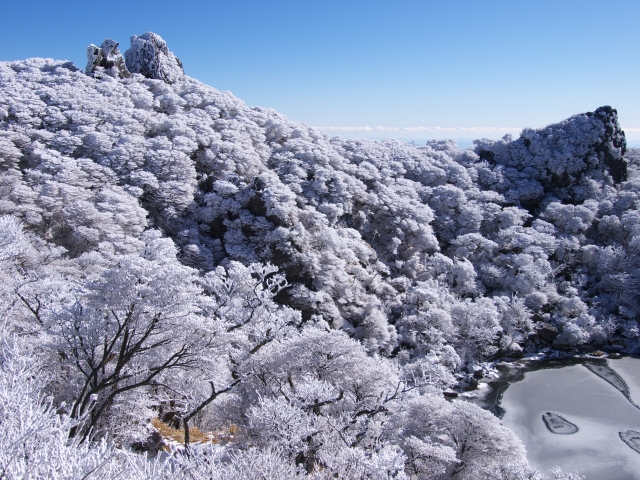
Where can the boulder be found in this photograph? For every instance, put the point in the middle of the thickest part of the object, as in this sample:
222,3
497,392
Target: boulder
152,445
471,384
108,57
513,351
450,394
546,331
149,56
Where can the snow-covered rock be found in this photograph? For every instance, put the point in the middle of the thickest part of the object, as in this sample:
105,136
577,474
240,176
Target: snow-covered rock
108,57
150,56
559,159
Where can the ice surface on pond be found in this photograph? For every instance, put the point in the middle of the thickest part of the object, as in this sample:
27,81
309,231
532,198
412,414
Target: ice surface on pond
601,410
558,424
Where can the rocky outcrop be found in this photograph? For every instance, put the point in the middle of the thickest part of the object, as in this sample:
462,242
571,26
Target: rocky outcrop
149,56
613,144
558,159
108,57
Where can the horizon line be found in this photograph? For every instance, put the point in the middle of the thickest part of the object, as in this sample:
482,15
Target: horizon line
367,128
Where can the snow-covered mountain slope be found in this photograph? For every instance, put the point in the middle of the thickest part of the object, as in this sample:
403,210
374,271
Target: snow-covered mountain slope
141,210
375,236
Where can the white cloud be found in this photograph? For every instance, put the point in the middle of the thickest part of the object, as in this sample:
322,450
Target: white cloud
633,133
421,129
417,133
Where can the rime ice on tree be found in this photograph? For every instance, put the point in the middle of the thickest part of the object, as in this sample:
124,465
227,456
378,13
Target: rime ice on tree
150,56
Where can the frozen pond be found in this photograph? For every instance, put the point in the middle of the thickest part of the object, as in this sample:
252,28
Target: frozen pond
577,414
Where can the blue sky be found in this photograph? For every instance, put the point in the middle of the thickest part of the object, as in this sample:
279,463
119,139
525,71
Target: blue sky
485,66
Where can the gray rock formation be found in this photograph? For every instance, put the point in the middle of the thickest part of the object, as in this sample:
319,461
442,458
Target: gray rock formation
556,160
546,331
108,57
513,350
149,56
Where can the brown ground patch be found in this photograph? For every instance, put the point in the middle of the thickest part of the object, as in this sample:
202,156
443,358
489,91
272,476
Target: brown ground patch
195,434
